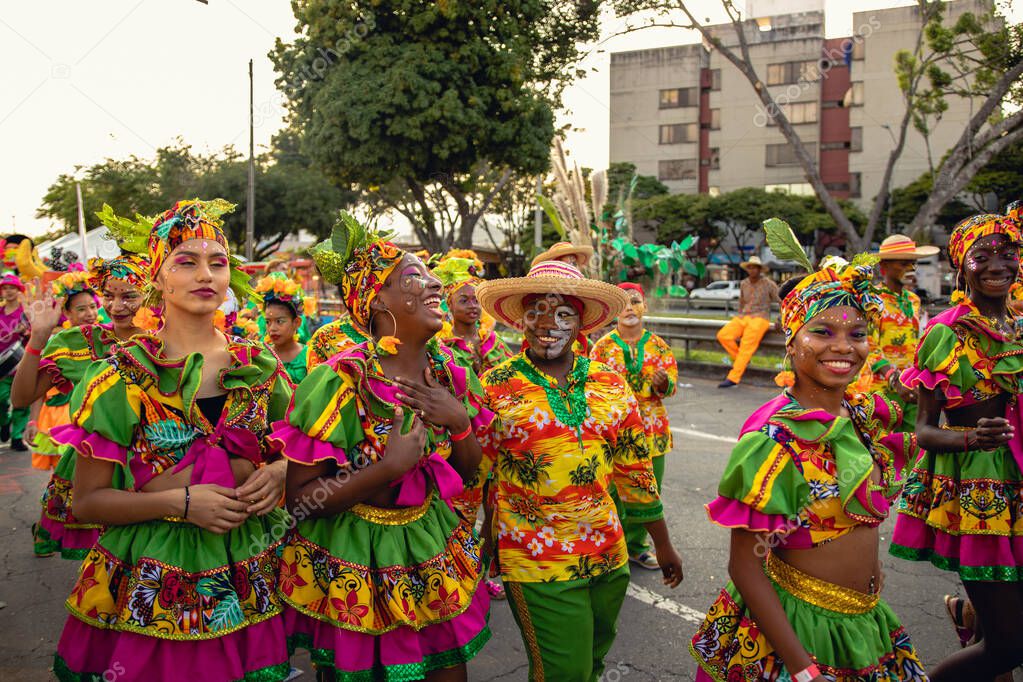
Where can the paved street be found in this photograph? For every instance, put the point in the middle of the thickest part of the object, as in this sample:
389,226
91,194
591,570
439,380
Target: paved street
656,623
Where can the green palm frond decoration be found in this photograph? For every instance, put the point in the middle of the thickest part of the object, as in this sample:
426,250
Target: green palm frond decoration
347,236
783,243
130,235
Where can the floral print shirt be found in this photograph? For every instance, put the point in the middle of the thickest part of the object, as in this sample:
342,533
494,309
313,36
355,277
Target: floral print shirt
638,364
894,338
331,339
555,453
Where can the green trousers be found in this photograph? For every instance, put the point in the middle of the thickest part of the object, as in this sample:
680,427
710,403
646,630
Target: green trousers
635,532
16,418
568,626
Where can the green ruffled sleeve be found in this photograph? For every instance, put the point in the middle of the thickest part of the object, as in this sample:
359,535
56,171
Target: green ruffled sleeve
938,363
761,488
323,422
67,355
104,414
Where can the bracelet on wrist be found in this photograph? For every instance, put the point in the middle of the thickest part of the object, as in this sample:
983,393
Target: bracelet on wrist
457,437
188,498
807,674
33,351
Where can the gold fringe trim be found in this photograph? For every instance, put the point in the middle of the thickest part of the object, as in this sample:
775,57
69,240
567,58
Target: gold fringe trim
392,517
818,592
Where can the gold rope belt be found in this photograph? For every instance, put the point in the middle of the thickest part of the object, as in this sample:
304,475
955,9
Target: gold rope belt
392,517
816,591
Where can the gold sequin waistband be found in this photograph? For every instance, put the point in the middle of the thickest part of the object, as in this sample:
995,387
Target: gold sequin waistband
392,517
816,591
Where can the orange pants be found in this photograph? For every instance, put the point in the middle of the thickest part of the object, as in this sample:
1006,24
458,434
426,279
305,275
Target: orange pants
741,337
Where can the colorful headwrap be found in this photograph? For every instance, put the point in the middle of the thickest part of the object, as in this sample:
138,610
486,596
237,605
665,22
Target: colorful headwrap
154,239
837,283
968,231
360,260
128,268
834,282
71,284
632,286
455,273
185,220
465,253
279,288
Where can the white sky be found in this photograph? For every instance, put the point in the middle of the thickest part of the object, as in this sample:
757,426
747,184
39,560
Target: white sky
84,81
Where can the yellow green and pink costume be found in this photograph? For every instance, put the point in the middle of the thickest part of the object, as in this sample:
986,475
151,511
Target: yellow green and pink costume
962,511
802,477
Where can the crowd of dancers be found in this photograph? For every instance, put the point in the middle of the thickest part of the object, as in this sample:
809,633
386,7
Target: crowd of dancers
237,490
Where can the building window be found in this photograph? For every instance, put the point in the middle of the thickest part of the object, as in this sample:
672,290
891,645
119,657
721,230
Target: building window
676,133
715,158
785,155
836,186
713,191
793,72
832,146
800,112
856,141
677,169
715,79
854,185
679,97
854,96
803,189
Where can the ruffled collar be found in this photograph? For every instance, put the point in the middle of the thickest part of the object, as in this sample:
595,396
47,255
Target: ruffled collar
854,456
250,366
966,314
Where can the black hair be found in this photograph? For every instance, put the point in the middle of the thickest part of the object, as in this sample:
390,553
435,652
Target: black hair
788,285
290,305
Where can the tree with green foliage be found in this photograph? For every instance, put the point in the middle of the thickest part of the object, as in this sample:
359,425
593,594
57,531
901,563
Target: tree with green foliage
290,194
619,177
431,108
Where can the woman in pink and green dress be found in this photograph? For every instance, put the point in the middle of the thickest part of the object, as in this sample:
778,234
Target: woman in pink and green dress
54,364
380,575
962,508
812,478
283,305
173,459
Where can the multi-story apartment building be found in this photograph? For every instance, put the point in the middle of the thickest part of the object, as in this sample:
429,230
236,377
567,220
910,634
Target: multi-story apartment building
686,115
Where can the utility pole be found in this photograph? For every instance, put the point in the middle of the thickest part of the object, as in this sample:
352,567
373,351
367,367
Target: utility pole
538,217
250,204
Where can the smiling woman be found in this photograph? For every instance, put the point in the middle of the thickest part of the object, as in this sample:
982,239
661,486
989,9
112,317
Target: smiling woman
813,476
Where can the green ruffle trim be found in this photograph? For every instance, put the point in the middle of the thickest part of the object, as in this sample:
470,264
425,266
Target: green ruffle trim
324,658
74,554
43,544
1002,574
273,673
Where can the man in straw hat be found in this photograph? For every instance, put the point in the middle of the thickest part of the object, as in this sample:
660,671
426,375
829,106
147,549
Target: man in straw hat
894,338
566,252
565,429
742,335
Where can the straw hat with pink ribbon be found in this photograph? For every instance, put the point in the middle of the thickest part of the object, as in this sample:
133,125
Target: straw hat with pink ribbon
901,247
504,298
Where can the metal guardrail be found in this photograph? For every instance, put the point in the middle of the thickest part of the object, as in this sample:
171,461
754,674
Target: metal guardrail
698,332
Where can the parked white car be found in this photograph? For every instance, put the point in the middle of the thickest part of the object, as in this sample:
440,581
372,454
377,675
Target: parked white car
717,291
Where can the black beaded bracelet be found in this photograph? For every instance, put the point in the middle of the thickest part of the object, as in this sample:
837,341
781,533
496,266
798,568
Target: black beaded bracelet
188,497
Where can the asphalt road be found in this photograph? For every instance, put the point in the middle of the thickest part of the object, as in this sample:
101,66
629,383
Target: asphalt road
655,625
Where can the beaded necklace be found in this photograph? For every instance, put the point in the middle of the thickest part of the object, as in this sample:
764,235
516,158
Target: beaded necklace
633,366
568,404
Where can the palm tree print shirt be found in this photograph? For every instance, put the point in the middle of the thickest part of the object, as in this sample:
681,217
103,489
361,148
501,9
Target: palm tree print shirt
555,518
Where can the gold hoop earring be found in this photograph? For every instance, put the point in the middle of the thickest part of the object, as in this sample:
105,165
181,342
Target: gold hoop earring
394,323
